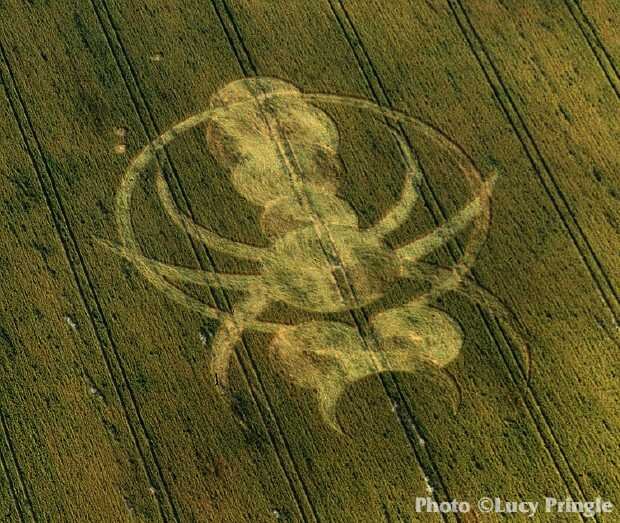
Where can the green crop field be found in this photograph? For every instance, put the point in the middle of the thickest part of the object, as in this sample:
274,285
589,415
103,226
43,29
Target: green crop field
308,261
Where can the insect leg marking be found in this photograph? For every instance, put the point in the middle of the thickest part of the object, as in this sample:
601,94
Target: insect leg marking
231,330
178,274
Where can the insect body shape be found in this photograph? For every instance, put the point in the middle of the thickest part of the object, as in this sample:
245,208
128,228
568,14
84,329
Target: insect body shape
282,154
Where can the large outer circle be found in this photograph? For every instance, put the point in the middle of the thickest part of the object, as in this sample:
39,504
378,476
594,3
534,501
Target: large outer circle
148,155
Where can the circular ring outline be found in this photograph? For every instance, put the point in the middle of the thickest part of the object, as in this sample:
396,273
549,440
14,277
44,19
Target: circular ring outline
149,152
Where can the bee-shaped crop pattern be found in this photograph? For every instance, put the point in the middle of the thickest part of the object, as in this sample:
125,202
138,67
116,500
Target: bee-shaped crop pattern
281,152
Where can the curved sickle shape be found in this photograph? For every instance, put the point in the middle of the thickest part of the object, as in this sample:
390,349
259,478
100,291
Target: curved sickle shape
129,244
230,332
408,197
443,279
476,208
209,238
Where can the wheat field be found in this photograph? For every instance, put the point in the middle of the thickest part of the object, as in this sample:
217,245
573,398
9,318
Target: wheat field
307,260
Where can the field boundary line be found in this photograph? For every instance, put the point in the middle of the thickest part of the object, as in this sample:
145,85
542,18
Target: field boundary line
408,424
588,29
541,168
20,473
406,419
534,409
243,59
436,209
429,197
7,436
220,297
406,416
10,480
78,268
